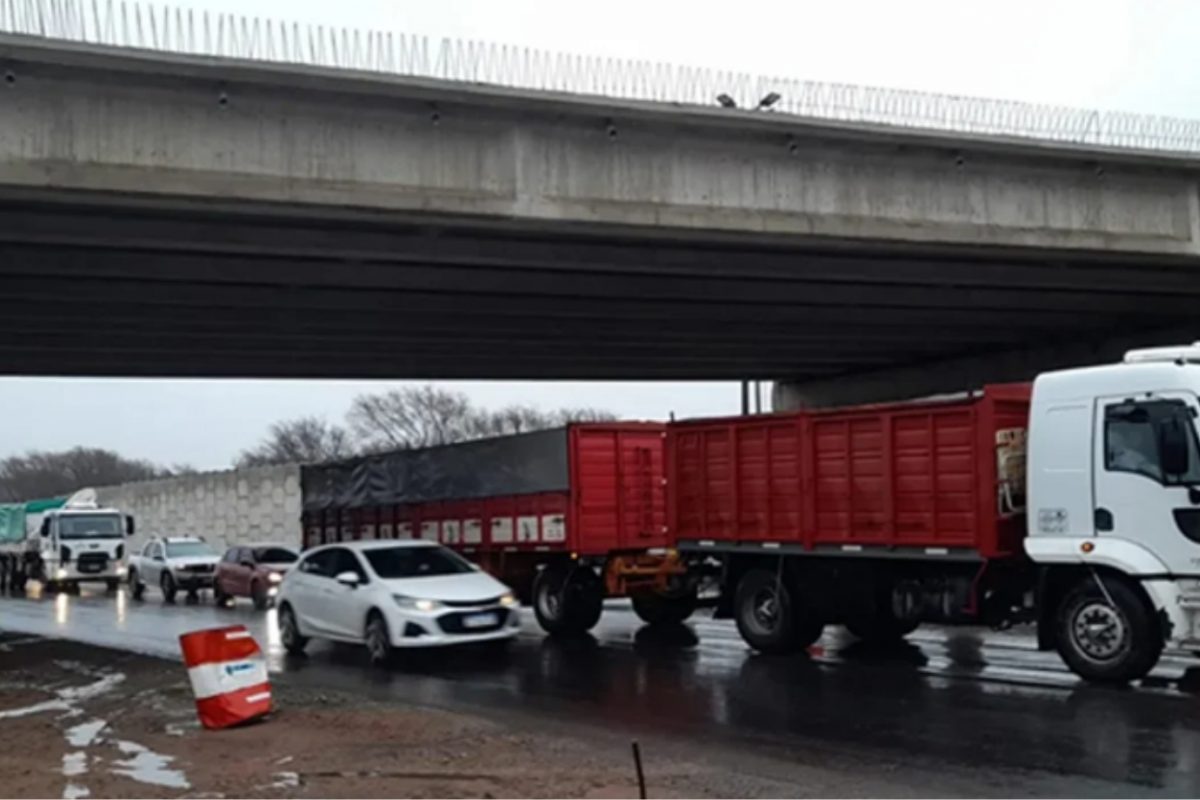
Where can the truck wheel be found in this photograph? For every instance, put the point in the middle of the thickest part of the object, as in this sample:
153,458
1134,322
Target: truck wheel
567,601
136,588
1107,642
289,631
662,609
258,593
112,584
378,640
766,614
167,584
881,628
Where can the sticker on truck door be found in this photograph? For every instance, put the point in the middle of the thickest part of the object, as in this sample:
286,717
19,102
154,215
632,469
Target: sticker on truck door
502,530
527,529
1052,520
554,528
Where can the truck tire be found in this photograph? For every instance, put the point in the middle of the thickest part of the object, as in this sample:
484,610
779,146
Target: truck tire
567,601
289,631
137,589
1107,642
766,613
662,609
167,584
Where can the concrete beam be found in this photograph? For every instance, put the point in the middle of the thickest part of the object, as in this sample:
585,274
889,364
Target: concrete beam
966,373
135,125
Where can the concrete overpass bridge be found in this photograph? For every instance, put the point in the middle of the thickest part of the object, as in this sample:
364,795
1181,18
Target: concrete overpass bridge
175,214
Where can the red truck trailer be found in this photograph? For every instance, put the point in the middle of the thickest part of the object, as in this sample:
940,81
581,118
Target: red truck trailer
565,516
878,517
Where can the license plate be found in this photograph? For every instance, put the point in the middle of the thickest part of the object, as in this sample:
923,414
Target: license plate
85,566
479,620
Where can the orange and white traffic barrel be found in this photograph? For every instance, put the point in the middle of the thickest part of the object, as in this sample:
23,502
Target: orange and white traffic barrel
228,675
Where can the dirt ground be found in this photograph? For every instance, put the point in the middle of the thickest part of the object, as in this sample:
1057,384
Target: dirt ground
77,721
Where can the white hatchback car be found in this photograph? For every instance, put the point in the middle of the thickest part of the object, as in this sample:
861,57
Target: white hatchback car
391,594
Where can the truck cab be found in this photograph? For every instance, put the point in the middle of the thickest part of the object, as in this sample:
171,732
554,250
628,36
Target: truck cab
78,543
1114,510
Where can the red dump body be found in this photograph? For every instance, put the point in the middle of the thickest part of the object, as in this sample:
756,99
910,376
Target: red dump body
595,488
919,477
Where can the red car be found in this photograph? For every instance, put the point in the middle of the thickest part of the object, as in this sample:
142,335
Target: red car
252,570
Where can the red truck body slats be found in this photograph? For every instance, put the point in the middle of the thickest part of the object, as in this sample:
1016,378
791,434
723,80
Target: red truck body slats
614,500
920,475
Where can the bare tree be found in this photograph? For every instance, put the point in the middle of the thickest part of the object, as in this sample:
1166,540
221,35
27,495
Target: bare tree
428,416
306,440
44,474
410,417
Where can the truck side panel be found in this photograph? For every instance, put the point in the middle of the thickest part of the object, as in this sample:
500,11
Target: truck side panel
919,476
618,499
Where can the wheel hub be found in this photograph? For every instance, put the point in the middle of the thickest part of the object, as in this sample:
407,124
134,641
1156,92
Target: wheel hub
766,609
1100,631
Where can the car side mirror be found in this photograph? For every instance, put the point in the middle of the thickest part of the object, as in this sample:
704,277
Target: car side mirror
45,527
1173,448
348,578
128,525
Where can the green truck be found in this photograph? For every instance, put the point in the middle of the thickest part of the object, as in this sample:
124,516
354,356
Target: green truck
62,542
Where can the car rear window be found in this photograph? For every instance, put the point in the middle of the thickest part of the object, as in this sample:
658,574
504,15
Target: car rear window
415,562
274,555
177,549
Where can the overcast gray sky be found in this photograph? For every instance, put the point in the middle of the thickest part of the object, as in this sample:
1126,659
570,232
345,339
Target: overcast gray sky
1136,55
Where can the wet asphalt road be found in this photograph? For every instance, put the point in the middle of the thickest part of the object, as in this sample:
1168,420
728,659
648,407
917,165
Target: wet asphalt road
952,700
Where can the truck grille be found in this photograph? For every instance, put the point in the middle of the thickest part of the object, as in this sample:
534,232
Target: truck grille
201,568
92,562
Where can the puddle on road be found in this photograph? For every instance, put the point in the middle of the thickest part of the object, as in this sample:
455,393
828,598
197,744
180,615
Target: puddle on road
85,733
67,698
74,764
147,766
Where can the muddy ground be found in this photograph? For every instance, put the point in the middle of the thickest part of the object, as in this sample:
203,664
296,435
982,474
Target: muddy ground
79,721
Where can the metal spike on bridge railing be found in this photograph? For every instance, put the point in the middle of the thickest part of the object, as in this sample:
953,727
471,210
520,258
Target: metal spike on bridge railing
133,23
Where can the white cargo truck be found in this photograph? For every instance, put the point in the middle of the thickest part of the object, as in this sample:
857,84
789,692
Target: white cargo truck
62,543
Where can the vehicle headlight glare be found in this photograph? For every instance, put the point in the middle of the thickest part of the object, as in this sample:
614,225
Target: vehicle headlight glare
416,603
508,600
274,577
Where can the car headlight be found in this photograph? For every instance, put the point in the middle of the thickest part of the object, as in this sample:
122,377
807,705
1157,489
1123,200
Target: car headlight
121,571
415,603
61,573
274,577
509,600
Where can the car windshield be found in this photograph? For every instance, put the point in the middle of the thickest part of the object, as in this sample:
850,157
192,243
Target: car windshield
90,526
178,549
274,555
415,562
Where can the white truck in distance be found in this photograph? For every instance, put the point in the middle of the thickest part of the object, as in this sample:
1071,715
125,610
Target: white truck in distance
68,544
173,563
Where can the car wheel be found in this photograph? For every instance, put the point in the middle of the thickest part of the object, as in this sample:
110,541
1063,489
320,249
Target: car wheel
766,613
167,584
112,585
221,599
1108,636
289,631
136,588
258,593
378,640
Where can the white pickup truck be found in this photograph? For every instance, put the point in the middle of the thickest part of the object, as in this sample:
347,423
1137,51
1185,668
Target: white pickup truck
173,563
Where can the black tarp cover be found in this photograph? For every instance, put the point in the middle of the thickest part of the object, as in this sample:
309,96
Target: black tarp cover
527,463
